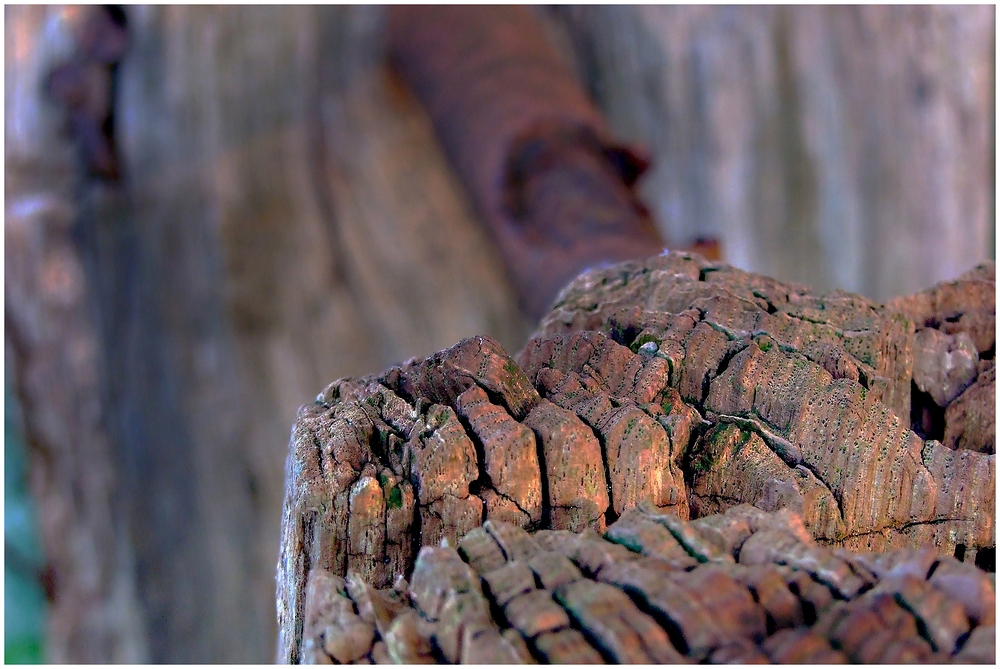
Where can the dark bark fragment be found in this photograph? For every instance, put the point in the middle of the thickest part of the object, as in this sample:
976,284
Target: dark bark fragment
539,167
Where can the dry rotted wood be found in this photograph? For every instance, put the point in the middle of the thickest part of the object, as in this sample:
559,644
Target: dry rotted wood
746,586
674,383
282,220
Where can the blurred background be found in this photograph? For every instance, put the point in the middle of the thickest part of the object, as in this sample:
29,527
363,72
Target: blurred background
278,213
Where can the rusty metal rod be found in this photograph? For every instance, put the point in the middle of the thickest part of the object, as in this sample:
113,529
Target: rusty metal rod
535,154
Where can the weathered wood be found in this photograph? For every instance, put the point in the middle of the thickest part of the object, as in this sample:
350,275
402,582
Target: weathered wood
280,222
767,596
673,385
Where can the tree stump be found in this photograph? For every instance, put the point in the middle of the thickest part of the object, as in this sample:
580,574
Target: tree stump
753,441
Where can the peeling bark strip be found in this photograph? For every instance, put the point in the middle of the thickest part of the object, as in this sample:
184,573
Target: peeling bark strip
655,392
533,151
769,594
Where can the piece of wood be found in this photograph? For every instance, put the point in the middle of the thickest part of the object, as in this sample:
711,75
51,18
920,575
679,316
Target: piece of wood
768,595
794,400
286,216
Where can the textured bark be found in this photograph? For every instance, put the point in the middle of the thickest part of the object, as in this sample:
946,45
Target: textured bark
954,365
281,195
768,594
970,420
674,386
823,381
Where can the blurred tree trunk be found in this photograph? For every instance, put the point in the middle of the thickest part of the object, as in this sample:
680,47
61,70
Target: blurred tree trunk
843,147
53,338
294,222
286,217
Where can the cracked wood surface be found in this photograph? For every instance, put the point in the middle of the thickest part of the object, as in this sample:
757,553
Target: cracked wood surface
746,586
671,385
284,192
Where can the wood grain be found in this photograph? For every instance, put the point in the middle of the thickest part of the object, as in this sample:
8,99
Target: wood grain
286,216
